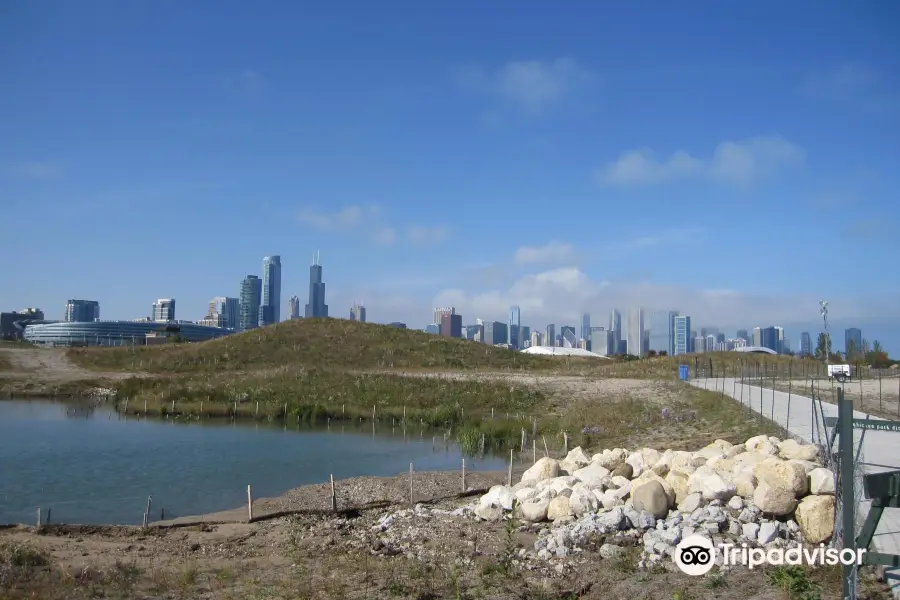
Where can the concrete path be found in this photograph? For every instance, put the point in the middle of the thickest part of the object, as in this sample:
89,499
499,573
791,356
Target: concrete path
881,449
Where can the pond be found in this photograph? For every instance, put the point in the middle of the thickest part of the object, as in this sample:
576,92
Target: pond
89,465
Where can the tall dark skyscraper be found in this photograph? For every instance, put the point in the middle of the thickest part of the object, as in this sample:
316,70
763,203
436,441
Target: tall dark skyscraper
316,306
251,290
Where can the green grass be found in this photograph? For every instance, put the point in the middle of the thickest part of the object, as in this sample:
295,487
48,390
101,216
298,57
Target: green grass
311,343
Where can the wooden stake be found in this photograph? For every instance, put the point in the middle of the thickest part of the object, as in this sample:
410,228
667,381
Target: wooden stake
173,407
147,514
333,495
546,451
249,504
534,450
565,443
145,407
509,476
373,412
411,484
464,476
257,408
523,440
39,517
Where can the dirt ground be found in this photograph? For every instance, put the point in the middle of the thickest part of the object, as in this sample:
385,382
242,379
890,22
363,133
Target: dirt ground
45,371
426,553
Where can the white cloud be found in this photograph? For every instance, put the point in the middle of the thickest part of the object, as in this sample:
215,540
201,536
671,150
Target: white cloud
372,221
553,252
561,295
531,85
34,170
427,236
386,236
346,218
731,162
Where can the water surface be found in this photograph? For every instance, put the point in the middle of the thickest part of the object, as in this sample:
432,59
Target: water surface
92,466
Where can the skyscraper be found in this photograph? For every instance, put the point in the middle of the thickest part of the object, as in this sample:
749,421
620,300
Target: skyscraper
316,306
615,325
358,313
586,326
294,306
567,336
662,331
164,309
601,341
742,334
451,325
683,340
550,336
82,311
228,308
270,303
805,344
634,333
515,322
440,312
769,338
251,290
853,340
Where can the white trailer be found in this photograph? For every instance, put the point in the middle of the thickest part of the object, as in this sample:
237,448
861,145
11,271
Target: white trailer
839,372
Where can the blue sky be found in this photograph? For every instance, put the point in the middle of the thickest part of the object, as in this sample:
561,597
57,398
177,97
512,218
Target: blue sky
736,163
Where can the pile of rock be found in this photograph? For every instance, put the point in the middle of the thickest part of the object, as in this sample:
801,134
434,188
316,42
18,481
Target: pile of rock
764,492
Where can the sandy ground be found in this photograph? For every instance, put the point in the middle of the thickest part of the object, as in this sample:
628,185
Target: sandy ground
47,367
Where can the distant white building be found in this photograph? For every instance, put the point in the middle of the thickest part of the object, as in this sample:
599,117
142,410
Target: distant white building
634,331
164,310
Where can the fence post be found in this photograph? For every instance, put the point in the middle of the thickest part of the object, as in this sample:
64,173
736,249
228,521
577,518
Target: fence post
848,503
411,485
249,504
333,495
39,515
464,476
787,419
509,476
149,502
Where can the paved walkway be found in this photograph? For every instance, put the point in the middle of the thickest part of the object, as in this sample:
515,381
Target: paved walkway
879,447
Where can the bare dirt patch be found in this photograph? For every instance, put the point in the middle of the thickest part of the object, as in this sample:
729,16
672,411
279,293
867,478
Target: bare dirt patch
47,371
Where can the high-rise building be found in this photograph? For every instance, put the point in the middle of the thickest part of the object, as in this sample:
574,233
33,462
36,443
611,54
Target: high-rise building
82,311
635,332
550,336
768,338
662,331
524,336
682,326
251,291
434,328
164,310
270,303
536,338
515,322
853,342
615,325
358,313
709,330
742,334
567,337
472,332
440,312
601,341
757,337
699,344
586,326
451,325
316,307
228,308
494,332
294,306
805,344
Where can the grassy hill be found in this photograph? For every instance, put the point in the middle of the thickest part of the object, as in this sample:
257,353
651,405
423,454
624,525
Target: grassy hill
335,344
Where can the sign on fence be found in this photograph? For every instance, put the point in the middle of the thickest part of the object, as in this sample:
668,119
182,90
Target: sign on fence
883,489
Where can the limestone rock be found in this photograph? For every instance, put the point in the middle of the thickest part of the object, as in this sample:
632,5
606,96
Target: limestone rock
790,475
559,508
744,484
610,459
544,468
621,481
774,498
500,495
610,499
623,469
821,482
815,515
768,531
652,476
792,449
735,450
534,510
651,496
489,512
710,484
592,475
679,483
583,500
691,503
525,493
574,460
